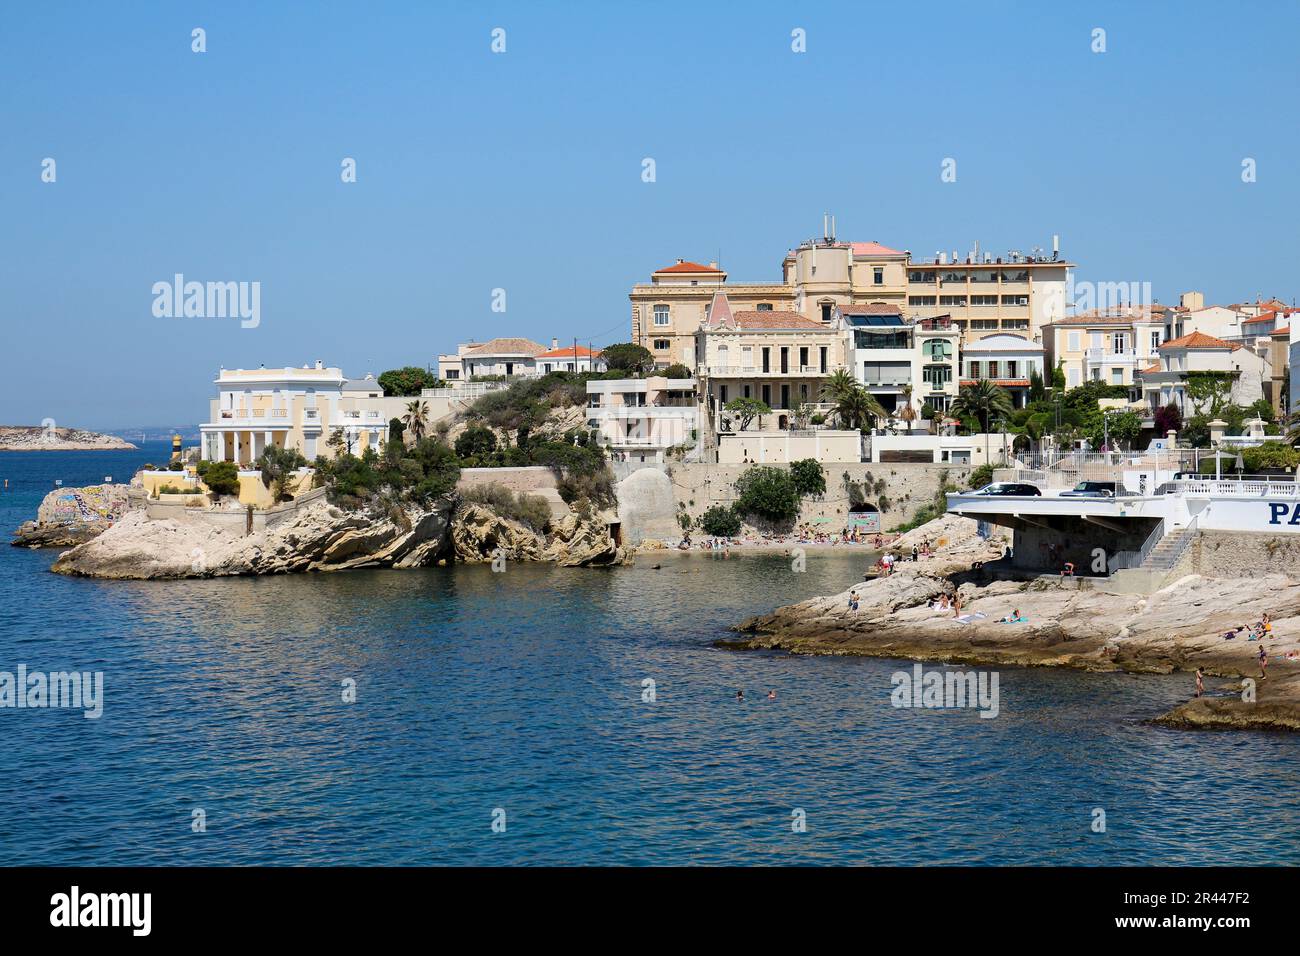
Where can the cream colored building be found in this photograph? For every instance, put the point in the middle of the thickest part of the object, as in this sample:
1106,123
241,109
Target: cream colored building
1005,359
1104,347
295,408
983,296
781,358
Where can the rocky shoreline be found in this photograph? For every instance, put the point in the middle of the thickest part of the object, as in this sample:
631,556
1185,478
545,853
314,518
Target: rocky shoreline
318,536
1068,623
39,438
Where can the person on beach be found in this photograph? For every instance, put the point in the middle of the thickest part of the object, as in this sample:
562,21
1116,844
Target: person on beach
1267,623
1200,682
1263,662
853,600
916,552
956,604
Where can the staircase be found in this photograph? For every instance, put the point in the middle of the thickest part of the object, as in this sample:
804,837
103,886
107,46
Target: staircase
1170,548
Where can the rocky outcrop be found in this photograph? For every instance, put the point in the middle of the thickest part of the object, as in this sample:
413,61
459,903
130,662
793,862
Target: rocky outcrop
1066,623
40,438
480,535
318,537
72,516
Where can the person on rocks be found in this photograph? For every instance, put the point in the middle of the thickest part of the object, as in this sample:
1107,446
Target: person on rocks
1200,682
1263,662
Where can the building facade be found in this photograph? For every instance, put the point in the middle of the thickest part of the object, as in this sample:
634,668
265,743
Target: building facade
1165,382
1006,360
640,419
1104,347
295,408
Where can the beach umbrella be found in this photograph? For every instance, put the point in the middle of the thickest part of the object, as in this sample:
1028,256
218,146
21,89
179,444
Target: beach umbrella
1241,463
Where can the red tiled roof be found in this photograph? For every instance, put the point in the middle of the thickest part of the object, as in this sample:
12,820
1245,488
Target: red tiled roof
1285,330
1197,340
776,320
686,267
873,249
567,352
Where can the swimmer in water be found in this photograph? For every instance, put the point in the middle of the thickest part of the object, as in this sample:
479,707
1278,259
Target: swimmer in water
740,695
771,695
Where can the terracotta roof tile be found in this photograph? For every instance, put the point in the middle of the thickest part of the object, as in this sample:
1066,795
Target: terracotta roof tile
567,352
776,320
507,346
873,249
687,267
1198,340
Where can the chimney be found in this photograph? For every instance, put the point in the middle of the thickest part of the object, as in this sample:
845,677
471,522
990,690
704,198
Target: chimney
713,264
1056,245
319,364
555,343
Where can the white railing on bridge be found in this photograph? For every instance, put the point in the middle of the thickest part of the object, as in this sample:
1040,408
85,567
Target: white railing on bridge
1231,487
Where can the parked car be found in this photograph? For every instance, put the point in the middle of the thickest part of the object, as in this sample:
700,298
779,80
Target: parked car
1092,489
1009,488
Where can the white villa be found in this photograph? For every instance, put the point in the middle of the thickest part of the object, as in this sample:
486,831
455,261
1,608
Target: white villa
639,419
1006,360
294,408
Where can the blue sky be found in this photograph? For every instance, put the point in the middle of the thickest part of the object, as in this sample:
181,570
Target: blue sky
522,170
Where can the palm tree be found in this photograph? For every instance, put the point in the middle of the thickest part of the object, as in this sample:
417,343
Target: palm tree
983,401
416,419
838,386
908,413
857,407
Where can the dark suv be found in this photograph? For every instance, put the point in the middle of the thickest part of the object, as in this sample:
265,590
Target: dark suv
1092,489
1010,488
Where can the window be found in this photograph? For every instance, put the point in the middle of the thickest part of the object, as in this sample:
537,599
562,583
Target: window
826,311
1015,300
767,359
661,315
765,307
803,358
984,324
767,395
936,349
744,390
983,300
1155,340
1072,377
823,356
747,358
878,276
993,369
661,344
936,376
1119,344
785,359
921,300
1117,376
974,369
1011,370
952,300
1094,340
722,394
1015,323
1072,342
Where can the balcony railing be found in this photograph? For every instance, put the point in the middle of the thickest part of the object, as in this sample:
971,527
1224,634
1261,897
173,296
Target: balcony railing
256,414
774,369
1126,357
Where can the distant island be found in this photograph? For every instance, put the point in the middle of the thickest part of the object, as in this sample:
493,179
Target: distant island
41,438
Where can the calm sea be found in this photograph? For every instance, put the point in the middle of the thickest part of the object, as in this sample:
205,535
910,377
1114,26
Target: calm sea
522,692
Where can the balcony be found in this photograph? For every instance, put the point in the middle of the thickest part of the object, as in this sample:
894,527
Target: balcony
775,371
256,415
1108,357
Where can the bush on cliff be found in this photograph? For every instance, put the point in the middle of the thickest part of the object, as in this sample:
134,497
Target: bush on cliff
420,474
721,521
477,441
531,510
278,465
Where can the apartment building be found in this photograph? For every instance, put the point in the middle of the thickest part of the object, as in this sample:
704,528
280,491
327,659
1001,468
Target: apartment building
1005,359
781,358
982,295
1105,347
898,361
988,296
297,408
640,419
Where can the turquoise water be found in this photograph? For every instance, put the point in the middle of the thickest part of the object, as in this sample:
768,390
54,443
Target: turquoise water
523,691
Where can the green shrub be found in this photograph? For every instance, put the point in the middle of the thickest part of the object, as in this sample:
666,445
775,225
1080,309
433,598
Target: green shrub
721,521
808,477
278,465
768,493
221,477
476,441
